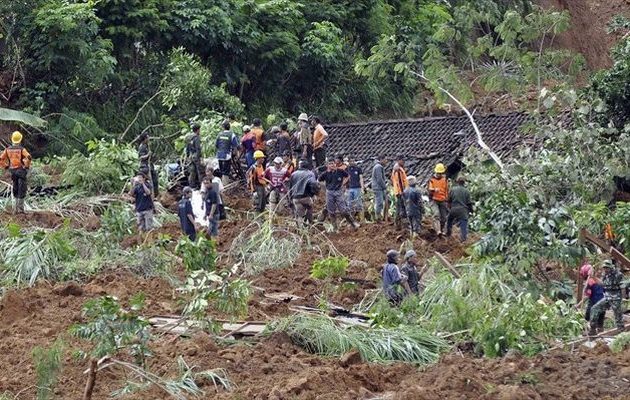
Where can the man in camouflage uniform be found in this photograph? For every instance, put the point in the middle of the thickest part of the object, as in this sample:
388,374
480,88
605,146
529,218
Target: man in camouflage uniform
612,298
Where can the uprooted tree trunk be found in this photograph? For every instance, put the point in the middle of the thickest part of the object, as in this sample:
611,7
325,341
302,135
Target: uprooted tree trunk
480,140
89,385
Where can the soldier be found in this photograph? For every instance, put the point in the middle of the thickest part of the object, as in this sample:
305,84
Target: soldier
460,208
413,205
193,153
612,298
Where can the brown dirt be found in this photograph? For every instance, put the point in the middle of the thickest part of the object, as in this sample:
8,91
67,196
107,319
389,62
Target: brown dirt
48,220
589,19
274,368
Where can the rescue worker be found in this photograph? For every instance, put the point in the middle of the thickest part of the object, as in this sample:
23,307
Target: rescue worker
612,299
410,273
394,285
592,293
193,153
277,175
248,145
288,162
259,135
379,187
400,184
211,207
336,179
17,160
438,194
257,181
146,164
413,205
302,187
305,138
356,187
141,193
460,207
226,144
320,143
283,140
186,215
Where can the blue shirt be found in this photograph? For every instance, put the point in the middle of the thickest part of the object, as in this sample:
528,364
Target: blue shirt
183,210
143,201
391,279
226,143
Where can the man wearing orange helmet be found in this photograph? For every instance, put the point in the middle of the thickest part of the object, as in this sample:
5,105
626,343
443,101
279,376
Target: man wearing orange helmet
17,160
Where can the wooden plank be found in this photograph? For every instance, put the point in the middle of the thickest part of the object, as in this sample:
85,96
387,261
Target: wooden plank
615,254
580,284
447,264
180,326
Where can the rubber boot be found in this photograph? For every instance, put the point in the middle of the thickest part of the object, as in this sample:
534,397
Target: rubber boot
333,221
351,221
19,206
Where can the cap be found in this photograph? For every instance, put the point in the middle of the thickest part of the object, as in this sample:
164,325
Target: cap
277,160
392,253
187,189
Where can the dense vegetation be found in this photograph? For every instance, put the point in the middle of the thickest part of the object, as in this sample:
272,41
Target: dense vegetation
111,69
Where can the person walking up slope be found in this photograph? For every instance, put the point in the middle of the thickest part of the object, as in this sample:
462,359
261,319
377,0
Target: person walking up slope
438,194
17,160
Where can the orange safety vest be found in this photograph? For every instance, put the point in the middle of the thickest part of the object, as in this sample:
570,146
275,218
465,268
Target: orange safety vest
438,189
609,234
257,177
399,181
15,157
259,136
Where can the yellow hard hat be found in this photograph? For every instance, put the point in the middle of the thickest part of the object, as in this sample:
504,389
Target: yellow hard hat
258,154
440,168
16,137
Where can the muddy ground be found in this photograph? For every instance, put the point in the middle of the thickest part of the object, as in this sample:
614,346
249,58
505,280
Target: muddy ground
274,368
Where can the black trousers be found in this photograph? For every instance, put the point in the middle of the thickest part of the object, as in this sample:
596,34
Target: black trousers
18,178
320,157
225,166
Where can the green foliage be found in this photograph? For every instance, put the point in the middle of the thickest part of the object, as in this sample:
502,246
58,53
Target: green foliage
321,335
620,343
7,114
200,255
331,267
26,257
205,288
106,169
113,329
48,363
613,85
118,220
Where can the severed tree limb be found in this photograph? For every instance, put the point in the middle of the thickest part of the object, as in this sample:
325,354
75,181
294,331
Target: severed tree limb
89,386
480,140
146,103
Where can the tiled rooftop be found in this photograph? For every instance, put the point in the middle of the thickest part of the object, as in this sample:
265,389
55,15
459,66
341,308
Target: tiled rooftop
426,141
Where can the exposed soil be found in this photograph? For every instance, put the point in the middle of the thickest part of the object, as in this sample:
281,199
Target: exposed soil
587,35
274,368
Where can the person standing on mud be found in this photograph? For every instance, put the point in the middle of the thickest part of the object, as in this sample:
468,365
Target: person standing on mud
438,194
410,272
394,284
460,208
400,184
186,215
305,138
320,142
17,160
211,206
257,181
146,164
301,184
141,193
593,293
612,299
379,187
193,154
336,178
413,205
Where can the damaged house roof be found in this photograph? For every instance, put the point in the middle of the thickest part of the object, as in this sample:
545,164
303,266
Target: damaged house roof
426,141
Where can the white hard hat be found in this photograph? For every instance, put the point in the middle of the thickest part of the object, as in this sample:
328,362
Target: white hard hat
278,160
303,117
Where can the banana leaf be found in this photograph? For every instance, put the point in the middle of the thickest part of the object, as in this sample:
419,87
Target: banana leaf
7,114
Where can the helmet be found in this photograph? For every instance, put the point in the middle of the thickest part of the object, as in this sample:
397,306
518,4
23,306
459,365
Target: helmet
303,117
608,264
440,168
247,128
585,271
275,129
278,160
258,154
16,137
410,254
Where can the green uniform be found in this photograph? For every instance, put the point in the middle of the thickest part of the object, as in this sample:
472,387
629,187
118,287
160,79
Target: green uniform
612,299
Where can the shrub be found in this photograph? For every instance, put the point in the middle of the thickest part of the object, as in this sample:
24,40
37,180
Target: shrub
47,368
331,267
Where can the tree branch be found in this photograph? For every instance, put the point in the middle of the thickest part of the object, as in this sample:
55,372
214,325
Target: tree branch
146,103
480,140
